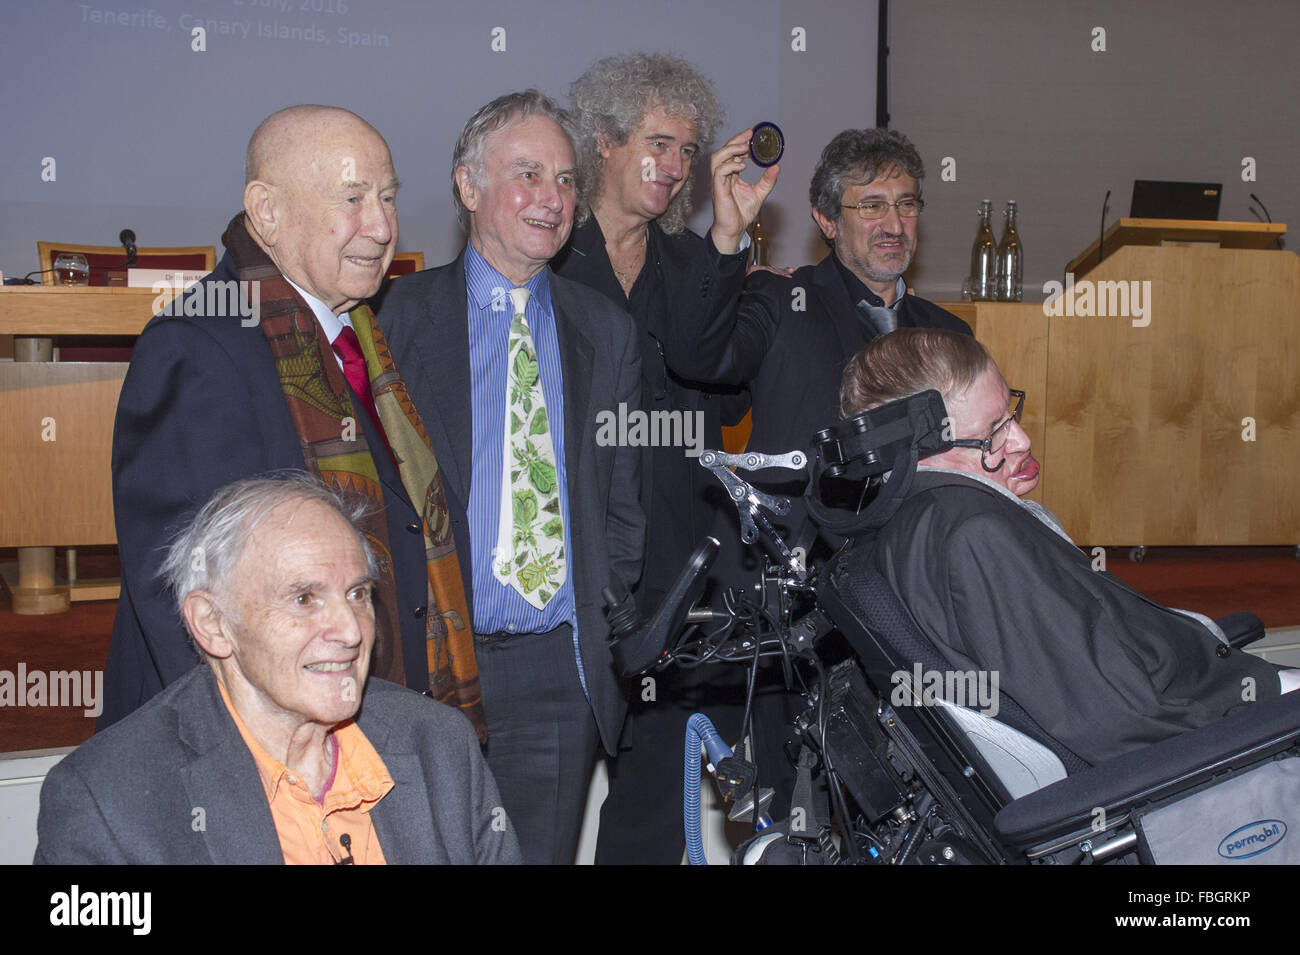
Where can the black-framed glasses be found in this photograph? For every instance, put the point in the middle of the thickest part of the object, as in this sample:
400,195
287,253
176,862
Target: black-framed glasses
909,207
995,441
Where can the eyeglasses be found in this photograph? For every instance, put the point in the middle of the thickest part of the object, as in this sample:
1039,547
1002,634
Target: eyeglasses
994,442
909,207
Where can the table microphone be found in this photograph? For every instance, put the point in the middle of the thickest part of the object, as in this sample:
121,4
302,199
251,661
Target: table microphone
1266,215
1101,239
127,238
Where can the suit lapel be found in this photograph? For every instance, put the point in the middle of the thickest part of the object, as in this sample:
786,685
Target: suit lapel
402,817
577,365
385,466
449,415
221,780
836,303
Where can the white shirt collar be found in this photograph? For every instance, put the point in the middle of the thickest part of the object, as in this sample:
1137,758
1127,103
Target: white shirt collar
331,324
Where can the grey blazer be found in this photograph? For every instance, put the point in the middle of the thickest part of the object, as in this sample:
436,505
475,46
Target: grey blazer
173,783
423,316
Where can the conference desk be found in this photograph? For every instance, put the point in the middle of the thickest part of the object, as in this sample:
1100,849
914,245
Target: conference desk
1178,428
56,426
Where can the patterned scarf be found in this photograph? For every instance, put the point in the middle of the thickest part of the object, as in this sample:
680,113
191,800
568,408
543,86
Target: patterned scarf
319,401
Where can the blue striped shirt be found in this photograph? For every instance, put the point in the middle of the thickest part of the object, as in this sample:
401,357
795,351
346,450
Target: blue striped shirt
496,606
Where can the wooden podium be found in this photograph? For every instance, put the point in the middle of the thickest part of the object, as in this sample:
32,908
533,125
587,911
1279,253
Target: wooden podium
1164,232
56,424
1180,427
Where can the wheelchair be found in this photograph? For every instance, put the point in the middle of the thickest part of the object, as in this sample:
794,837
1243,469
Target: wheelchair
897,772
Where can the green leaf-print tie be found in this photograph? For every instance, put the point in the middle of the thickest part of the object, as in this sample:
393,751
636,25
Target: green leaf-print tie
530,534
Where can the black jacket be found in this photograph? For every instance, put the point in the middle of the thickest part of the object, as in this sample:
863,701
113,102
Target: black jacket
788,342
685,284
1099,666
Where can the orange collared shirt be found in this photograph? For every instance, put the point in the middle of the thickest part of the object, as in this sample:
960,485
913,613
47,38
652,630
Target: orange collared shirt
310,831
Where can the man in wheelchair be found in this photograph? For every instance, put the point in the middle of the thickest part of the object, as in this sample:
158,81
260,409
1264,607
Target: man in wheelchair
996,584
1119,730
1125,730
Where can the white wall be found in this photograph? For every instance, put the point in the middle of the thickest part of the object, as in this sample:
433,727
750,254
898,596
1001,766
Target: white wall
21,776
148,134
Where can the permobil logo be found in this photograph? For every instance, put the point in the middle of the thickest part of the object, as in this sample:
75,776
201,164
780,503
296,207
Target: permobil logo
1252,839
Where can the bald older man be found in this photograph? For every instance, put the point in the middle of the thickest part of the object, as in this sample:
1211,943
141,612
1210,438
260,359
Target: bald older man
274,362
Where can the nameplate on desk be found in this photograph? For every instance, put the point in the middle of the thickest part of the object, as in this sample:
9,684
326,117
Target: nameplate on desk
152,278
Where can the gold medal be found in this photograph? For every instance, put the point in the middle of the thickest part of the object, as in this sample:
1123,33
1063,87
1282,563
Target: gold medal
766,145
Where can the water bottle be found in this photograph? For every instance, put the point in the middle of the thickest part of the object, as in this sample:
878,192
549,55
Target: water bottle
984,258
1011,260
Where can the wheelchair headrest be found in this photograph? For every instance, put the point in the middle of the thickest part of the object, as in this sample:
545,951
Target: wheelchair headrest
888,440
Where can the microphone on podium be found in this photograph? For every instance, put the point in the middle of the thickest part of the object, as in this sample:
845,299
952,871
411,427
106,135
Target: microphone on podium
127,238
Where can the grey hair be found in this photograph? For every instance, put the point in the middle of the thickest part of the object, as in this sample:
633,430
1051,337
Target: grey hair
501,112
909,361
612,99
856,157
204,554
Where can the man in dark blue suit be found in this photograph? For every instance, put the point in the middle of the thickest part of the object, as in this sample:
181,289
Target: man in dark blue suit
519,364
279,382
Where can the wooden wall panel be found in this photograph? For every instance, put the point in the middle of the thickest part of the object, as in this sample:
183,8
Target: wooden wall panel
1145,424
58,492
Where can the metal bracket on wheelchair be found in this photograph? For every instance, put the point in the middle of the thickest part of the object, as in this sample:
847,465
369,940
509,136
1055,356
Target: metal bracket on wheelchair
751,503
754,460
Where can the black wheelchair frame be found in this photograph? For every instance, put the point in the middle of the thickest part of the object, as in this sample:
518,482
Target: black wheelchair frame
883,783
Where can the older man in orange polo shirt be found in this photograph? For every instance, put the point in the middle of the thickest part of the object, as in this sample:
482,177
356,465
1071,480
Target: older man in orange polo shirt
280,750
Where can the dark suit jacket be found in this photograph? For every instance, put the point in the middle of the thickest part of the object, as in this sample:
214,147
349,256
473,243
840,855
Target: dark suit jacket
789,341
686,283
202,407
424,318
1097,664
133,794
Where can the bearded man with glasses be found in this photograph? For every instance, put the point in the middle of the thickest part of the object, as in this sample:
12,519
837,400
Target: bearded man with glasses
788,340
997,585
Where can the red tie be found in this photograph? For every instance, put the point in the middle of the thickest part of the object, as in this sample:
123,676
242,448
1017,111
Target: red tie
348,348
